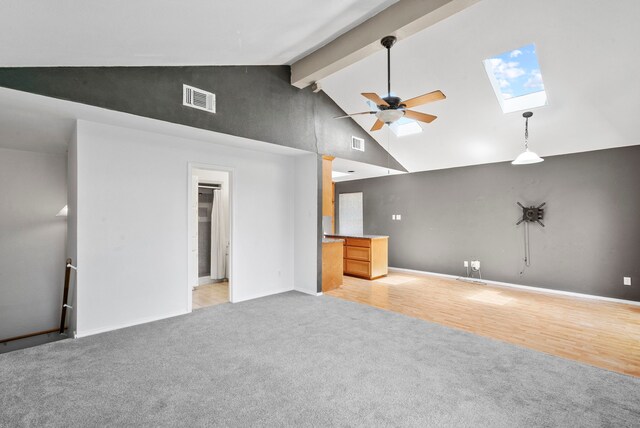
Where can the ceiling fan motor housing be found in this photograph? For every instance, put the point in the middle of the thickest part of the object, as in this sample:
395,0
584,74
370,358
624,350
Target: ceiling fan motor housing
394,103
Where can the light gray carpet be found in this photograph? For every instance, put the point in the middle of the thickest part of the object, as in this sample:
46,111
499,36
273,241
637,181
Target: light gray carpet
297,360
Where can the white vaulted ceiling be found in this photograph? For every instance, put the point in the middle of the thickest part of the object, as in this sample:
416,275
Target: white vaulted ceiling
589,55
588,52
171,32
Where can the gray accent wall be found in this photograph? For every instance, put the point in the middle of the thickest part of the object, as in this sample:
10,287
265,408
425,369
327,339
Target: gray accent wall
256,102
33,188
590,242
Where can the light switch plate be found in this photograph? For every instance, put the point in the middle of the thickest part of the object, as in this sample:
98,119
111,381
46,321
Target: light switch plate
398,217
627,280
393,217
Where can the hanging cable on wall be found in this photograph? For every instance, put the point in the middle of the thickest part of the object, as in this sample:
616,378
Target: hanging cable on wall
527,250
529,215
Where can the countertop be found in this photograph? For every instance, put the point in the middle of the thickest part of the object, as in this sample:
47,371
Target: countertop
331,240
357,236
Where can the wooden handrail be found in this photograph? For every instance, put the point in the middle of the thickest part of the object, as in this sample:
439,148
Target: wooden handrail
67,276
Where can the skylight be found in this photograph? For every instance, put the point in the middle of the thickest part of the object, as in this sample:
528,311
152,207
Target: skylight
516,79
403,126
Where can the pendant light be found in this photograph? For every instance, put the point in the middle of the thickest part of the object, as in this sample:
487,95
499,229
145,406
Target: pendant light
527,156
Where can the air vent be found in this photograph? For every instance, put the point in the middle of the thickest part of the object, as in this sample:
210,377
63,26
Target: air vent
197,98
357,144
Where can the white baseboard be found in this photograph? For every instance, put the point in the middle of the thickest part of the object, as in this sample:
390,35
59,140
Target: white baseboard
311,293
524,287
125,325
263,294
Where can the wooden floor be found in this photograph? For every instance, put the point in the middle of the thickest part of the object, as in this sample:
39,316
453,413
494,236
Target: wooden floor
210,294
599,333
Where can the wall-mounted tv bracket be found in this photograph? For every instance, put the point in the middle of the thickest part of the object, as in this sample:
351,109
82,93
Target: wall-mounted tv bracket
530,215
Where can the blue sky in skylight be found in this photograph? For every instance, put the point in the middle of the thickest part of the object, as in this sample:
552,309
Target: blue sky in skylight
517,72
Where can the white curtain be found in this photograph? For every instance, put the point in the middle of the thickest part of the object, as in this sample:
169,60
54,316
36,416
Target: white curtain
218,238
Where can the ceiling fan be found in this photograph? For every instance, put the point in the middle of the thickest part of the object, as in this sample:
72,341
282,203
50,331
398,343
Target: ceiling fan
393,108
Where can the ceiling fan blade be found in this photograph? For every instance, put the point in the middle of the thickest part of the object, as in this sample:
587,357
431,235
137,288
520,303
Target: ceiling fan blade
354,114
375,98
422,117
424,99
379,124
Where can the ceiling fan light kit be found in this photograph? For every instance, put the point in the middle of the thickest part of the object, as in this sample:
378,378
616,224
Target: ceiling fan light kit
527,157
391,108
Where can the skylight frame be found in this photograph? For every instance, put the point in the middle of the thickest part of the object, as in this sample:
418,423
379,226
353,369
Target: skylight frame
529,100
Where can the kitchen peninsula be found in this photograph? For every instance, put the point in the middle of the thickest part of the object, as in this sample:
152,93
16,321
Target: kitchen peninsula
365,256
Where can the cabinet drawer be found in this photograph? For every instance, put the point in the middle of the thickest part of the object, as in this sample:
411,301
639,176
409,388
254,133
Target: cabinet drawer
358,253
358,242
356,267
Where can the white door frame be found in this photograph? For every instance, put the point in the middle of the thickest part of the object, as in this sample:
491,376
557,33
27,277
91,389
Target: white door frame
192,274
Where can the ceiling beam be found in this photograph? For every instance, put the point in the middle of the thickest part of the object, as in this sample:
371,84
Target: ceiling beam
402,19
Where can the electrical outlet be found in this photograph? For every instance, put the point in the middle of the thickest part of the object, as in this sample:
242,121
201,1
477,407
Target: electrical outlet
398,217
393,217
626,280
466,263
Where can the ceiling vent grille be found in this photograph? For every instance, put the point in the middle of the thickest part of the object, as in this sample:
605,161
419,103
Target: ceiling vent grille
197,98
357,144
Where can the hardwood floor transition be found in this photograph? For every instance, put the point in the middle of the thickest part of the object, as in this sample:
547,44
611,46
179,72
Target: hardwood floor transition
210,294
599,333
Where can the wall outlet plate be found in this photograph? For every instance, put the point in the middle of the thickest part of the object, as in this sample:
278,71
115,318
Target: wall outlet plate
393,217
398,217
626,280
466,263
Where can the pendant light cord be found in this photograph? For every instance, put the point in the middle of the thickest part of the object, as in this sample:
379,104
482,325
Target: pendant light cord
526,133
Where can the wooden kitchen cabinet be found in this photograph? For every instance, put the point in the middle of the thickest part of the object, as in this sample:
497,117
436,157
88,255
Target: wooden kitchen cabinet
365,256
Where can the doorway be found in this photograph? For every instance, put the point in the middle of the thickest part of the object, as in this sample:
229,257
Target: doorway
211,237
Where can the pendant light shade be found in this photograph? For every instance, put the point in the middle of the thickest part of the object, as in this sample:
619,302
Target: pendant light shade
526,157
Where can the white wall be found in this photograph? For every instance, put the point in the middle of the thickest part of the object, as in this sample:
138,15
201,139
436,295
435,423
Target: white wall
72,228
133,189
306,223
32,240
